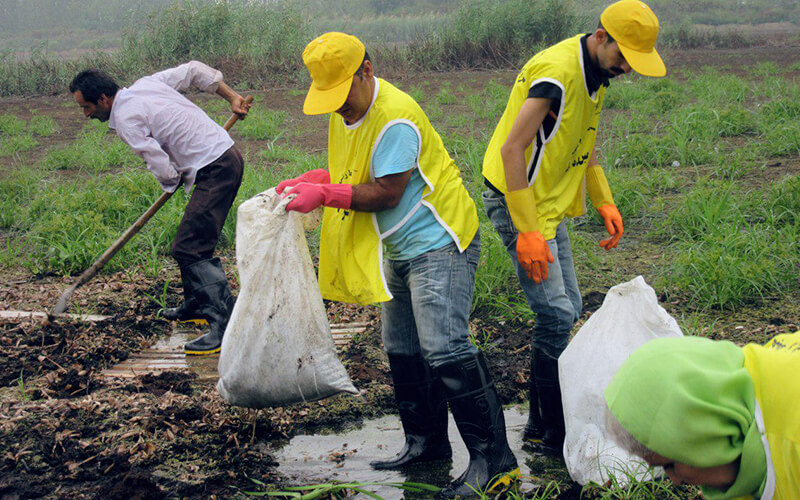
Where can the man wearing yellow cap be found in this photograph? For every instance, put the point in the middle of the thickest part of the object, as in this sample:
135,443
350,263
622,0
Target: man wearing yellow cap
391,187
539,164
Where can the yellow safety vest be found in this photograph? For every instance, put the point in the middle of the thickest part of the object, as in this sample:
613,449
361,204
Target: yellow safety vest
774,369
557,159
351,253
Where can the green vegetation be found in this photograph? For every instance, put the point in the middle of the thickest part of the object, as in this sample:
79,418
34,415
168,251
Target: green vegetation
338,490
92,153
17,136
23,391
259,42
495,34
689,175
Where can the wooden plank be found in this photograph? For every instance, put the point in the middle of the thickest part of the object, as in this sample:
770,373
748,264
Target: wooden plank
149,354
167,354
122,374
349,330
154,364
349,325
42,316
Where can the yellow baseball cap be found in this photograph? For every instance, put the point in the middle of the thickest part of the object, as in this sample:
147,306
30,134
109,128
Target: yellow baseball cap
332,59
635,28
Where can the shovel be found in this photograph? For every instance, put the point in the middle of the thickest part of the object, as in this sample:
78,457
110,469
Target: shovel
90,273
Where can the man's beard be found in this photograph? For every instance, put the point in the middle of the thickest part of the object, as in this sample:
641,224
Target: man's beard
614,71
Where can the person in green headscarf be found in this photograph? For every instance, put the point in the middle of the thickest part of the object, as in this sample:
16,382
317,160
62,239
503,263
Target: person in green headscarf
714,414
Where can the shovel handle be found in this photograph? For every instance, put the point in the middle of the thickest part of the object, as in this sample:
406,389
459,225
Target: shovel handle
61,305
234,117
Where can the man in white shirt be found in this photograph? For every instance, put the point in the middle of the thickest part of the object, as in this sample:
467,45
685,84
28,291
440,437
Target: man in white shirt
180,144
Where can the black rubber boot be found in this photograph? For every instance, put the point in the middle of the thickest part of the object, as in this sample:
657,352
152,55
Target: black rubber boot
187,311
534,429
478,414
423,413
552,412
215,302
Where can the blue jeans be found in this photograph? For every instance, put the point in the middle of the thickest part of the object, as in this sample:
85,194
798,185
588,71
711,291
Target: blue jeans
429,313
557,300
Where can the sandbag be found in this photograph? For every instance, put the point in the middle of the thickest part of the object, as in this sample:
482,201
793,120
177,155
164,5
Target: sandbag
277,348
629,317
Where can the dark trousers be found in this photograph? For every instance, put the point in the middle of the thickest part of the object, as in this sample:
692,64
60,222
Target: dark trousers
215,188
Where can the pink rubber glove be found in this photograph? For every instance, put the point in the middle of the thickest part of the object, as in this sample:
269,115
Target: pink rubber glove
311,196
318,176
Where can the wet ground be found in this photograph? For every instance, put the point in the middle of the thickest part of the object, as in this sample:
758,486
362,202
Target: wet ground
345,456
67,429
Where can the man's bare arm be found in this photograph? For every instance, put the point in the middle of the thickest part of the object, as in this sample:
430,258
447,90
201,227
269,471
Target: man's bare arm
238,105
526,126
382,194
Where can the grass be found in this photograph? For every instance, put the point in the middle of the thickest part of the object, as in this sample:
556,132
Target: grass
629,488
17,186
96,149
22,388
17,135
12,146
678,169
338,490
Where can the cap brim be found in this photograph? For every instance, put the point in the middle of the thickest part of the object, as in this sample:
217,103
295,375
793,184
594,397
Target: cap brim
320,102
644,63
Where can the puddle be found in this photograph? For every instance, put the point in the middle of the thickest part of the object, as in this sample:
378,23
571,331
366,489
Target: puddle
345,457
167,354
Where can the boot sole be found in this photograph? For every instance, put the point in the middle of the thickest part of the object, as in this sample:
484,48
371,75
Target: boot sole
411,463
202,353
502,483
195,321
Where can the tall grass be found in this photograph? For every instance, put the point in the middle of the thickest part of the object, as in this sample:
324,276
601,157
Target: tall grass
256,43
496,34
385,29
45,73
237,37
684,35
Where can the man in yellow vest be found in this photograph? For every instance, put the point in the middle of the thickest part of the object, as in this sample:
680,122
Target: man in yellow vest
391,187
539,163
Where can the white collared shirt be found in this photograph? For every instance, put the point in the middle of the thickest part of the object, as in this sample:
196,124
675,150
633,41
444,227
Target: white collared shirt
173,135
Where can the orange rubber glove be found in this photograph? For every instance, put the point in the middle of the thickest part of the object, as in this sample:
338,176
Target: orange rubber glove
613,221
533,253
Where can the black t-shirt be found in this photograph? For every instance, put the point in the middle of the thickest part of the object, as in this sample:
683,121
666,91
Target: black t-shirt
594,79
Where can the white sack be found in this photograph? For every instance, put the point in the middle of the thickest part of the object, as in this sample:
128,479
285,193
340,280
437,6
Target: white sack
278,347
629,317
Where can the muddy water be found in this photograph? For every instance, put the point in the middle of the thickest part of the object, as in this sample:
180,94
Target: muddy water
166,354
204,366
345,456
